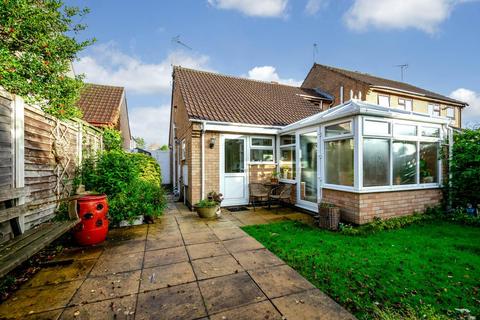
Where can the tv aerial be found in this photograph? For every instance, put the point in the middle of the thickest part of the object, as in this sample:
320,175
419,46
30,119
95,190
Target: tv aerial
177,40
402,67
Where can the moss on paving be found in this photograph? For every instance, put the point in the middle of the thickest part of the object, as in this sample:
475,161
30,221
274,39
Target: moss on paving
431,263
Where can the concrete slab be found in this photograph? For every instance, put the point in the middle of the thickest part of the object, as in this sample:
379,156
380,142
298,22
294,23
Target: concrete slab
215,267
257,259
205,250
242,244
181,302
77,270
128,233
229,233
230,291
121,308
119,247
165,256
258,311
82,253
114,263
279,281
200,237
166,276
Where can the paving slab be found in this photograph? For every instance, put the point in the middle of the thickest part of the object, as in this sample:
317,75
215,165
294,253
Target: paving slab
38,299
114,263
257,259
229,233
166,276
242,244
119,247
121,308
183,302
279,281
48,315
82,253
128,233
164,240
258,311
230,291
107,287
53,275
200,237
311,305
215,267
205,250
162,257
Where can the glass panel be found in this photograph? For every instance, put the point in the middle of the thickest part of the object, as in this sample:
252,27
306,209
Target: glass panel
339,165
384,101
376,128
287,163
404,129
428,162
408,105
234,156
308,165
287,139
430,132
376,162
261,155
451,113
338,129
404,162
262,142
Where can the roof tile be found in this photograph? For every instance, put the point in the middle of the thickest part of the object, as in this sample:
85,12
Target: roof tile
100,104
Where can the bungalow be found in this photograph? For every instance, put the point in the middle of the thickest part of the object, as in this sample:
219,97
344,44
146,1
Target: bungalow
364,143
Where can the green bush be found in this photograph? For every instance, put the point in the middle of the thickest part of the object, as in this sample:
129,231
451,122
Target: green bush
205,203
112,139
132,182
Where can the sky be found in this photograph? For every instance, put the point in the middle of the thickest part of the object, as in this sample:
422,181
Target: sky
138,41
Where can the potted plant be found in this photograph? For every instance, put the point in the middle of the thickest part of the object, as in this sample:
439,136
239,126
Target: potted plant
207,208
274,177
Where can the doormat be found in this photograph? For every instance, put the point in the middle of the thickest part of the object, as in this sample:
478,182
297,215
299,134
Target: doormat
235,209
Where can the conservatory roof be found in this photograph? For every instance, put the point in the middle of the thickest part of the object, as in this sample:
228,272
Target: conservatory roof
357,107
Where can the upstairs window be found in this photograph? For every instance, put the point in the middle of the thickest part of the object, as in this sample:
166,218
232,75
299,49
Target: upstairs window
405,104
451,113
261,149
434,109
384,101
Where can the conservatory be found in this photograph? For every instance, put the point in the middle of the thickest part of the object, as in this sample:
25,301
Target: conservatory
369,160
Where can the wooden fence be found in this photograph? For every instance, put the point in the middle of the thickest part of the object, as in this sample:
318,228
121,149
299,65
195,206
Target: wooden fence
39,155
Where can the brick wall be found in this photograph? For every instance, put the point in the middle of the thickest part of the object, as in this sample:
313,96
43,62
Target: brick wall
361,208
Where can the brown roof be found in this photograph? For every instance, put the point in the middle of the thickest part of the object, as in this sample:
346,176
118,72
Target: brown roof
377,81
100,104
217,97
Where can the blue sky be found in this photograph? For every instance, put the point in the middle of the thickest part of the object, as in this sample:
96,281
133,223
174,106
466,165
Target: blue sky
273,40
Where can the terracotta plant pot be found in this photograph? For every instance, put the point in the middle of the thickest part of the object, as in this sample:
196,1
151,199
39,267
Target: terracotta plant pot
207,212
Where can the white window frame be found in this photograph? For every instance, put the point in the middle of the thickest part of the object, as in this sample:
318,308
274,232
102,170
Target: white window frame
384,96
433,108
338,136
184,150
452,109
285,146
404,104
252,147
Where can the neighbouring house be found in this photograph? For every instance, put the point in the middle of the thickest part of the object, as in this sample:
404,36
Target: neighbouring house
335,140
106,106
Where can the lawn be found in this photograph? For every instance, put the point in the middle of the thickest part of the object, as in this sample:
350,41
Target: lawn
431,265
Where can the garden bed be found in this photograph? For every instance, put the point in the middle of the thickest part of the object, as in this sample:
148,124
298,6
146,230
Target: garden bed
430,267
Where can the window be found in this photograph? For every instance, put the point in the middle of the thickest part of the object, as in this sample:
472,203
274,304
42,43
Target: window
261,149
287,157
428,162
451,113
344,128
376,128
434,109
339,162
430,132
404,162
405,129
376,162
384,101
234,156
184,150
405,104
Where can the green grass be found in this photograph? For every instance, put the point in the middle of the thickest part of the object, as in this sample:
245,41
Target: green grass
433,265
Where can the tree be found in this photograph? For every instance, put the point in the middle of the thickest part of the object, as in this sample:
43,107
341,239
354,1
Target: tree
164,147
37,47
112,139
140,142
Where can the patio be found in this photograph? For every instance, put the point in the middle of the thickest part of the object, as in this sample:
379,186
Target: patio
181,267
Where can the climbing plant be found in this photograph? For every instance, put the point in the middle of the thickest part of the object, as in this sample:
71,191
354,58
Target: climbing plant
37,46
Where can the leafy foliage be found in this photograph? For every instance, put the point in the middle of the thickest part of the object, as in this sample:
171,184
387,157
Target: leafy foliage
427,270
465,169
164,147
36,51
112,139
132,182
140,142
205,203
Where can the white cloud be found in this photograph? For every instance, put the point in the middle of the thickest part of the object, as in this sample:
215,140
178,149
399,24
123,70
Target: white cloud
425,15
313,6
269,73
471,114
257,8
108,65
150,123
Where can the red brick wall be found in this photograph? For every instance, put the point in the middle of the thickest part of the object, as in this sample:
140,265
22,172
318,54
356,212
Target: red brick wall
361,208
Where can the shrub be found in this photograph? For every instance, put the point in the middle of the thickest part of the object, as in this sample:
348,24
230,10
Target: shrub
112,139
205,203
132,182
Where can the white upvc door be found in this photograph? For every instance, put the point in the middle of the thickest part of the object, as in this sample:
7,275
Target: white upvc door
234,170
307,168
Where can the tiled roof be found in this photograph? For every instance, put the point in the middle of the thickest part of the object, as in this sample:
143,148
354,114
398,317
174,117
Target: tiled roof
100,104
216,97
382,82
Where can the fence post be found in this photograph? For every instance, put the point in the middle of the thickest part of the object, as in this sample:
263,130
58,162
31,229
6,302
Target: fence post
19,141
80,144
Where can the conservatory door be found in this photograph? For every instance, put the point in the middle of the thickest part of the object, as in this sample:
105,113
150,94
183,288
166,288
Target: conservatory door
307,181
233,172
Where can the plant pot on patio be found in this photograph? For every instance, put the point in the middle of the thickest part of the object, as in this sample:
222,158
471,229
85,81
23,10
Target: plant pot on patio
328,216
207,209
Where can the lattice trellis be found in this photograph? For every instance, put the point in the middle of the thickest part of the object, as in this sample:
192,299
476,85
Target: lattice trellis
63,159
